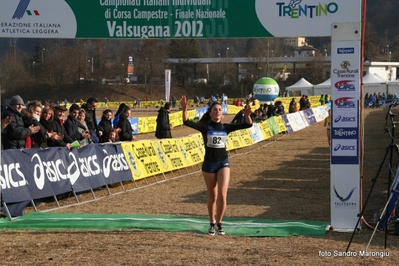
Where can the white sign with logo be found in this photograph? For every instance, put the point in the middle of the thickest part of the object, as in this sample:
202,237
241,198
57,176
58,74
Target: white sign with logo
345,133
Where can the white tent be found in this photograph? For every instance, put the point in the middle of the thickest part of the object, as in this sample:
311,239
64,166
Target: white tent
393,87
302,85
323,88
373,84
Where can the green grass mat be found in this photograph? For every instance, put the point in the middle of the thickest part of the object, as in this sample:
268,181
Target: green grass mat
232,226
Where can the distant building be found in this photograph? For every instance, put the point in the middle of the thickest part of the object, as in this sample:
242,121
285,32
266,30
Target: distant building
305,51
295,42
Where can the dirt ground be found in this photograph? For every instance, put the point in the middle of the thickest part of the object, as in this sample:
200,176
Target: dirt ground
284,178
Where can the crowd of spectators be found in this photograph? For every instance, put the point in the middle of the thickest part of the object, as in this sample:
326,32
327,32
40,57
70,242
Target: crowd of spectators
35,125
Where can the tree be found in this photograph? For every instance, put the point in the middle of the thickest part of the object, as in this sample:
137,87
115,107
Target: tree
151,57
183,50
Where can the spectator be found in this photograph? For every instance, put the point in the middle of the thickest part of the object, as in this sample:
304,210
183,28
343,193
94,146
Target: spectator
106,124
113,135
91,121
322,100
292,108
72,125
16,131
81,118
163,129
117,115
126,133
31,116
239,118
58,126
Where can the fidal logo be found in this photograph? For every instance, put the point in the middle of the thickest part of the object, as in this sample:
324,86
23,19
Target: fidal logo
22,8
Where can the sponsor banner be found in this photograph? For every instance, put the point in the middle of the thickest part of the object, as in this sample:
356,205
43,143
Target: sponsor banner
345,133
145,156
380,103
344,151
309,116
137,19
147,124
281,125
287,123
234,141
345,195
113,163
256,133
343,119
296,121
320,113
34,173
267,132
273,124
245,136
170,155
189,149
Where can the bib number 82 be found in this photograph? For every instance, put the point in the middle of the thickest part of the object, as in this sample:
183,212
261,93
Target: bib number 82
189,29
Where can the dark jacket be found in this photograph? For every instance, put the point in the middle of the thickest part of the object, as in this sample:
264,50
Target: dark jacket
56,126
16,131
106,126
72,126
126,129
163,124
91,122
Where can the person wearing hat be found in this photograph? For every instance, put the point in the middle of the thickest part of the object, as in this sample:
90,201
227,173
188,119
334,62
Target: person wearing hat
91,121
73,127
17,131
58,126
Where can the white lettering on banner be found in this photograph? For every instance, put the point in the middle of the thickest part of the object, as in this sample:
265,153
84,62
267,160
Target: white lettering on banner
125,30
115,162
117,3
53,170
89,166
341,132
6,178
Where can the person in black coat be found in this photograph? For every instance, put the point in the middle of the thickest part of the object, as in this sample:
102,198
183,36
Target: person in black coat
106,124
91,121
16,131
125,126
72,125
163,129
57,125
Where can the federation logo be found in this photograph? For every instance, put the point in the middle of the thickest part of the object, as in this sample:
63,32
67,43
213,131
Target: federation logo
22,8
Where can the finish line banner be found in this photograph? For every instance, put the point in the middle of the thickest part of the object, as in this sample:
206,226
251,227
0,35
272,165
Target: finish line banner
135,19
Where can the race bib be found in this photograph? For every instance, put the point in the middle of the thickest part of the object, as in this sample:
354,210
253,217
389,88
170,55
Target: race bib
216,139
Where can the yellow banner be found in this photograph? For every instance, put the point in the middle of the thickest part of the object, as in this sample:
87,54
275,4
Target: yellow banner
147,124
143,158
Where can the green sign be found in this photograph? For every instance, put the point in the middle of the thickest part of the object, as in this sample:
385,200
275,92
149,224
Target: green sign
173,18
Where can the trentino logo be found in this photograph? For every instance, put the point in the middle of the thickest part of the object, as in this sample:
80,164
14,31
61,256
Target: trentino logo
295,9
22,8
342,199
